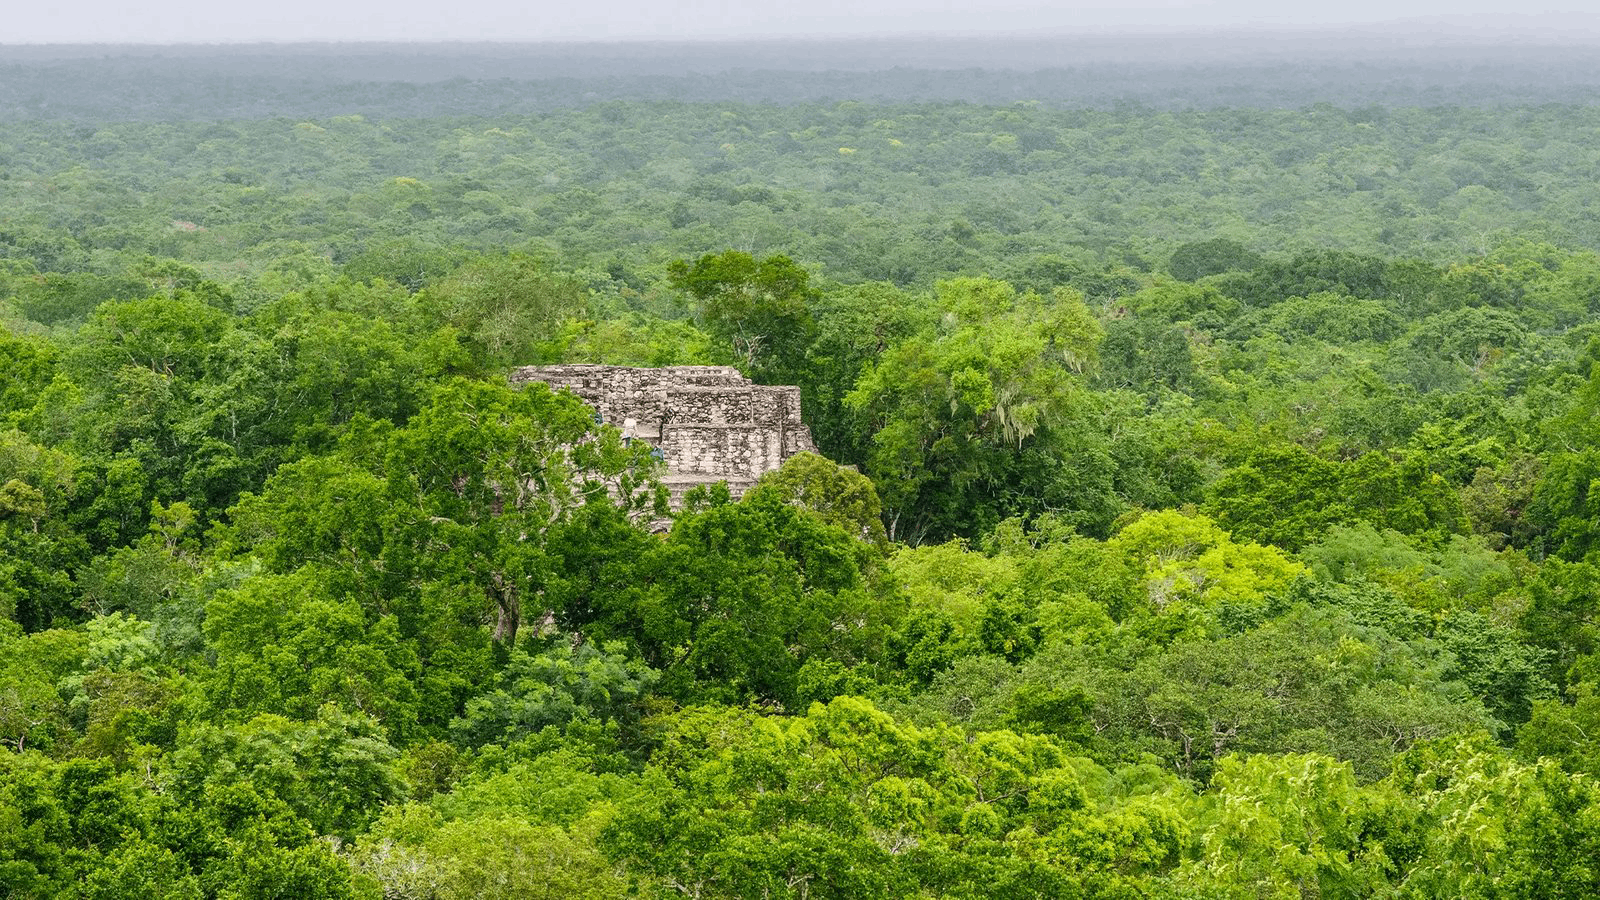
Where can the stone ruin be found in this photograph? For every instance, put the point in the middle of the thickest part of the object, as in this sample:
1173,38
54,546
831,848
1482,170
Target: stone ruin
710,423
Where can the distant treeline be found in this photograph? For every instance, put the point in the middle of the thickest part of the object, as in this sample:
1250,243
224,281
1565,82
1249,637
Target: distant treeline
128,83
903,193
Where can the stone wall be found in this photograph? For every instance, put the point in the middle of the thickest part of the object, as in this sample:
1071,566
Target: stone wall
710,422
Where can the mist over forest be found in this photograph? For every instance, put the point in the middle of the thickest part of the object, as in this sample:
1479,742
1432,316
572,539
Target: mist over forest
1206,504
1291,69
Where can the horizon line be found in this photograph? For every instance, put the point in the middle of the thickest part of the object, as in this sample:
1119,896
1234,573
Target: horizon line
1444,30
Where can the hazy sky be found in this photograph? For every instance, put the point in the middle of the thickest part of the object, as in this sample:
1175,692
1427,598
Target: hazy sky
163,21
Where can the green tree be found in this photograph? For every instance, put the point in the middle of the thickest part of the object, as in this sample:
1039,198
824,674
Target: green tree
986,419
758,308
1197,259
288,644
855,325
514,307
834,494
1289,826
846,801
334,772
556,686
743,594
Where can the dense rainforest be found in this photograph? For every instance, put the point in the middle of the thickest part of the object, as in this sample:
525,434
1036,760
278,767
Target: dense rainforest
1209,503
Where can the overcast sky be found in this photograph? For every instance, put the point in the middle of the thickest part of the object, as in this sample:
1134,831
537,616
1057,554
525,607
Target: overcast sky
179,21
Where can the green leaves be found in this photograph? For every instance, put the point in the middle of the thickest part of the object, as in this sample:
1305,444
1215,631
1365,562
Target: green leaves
1183,560
743,594
980,419
834,494
757,308
169,336
514,308
1287,496
554,686
288,644
846,800
1198,259
1566,504
1285,827
334,771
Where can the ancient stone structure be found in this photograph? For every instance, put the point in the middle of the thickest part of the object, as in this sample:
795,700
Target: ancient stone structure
710,423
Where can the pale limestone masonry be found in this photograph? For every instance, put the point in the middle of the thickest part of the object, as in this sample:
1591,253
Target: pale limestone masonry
709,422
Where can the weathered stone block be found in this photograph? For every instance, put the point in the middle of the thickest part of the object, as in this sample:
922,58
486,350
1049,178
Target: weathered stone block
710,422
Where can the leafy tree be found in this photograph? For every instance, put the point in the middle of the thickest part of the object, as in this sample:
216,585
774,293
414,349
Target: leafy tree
984,419
758,308
32,710
1351,274
1288,826
1186,560
335,772
490,470
1492,824
855,325
530,831
287,644
834,494
953,581
558,685
463,498
743,594
142,869
508,858
1144,354
39,548
1288,496
1281,495
513,307
1564,504
1197,259
846,799
1334,318
26,367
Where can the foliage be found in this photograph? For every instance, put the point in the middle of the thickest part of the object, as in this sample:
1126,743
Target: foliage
1206,503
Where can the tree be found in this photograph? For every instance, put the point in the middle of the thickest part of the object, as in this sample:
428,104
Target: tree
1285,495
1491,826
26,367
335,771
558,685
835,494
743,594
1144,354
1288,826
1197,259
33,713
1566,504
759,308
846,801
985,419
514,307
530,831
460,500
855,325
40,550
288,644
490,470
1187,560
